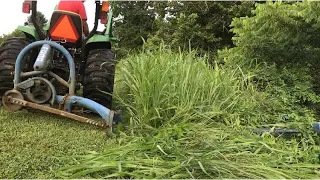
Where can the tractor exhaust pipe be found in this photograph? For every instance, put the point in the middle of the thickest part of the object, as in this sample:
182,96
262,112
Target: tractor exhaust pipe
34,19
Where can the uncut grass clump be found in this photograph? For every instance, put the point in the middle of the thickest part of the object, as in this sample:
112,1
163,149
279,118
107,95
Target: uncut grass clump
188,119
163,87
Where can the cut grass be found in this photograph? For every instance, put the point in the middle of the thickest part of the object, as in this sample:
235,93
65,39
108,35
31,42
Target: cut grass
198,151
31,141
188,120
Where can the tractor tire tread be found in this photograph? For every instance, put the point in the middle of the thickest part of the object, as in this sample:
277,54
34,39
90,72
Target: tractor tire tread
9,52
98,81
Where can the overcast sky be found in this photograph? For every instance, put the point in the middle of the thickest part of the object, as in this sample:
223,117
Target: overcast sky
11,15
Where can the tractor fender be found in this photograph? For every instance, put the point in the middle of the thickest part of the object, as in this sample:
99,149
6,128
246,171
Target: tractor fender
29,31
98,41
98,38
106,37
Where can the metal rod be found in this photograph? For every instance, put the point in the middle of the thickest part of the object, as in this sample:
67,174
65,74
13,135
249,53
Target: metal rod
58,78
32,73
34,20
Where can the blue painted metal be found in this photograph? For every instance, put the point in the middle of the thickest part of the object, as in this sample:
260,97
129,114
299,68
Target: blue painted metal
277,131
22,54
70,100
316,127
44,58
104,112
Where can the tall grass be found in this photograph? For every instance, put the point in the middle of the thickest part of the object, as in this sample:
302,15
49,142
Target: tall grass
190,120
161,87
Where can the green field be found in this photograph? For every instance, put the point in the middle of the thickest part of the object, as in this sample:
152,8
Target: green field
182,119
32,142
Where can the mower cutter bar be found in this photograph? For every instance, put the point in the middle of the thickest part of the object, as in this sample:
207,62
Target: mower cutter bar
24,103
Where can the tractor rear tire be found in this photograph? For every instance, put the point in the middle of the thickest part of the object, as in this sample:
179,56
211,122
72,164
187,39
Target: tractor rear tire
9,52
98,81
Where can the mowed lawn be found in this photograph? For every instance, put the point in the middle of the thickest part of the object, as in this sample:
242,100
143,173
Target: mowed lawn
32,143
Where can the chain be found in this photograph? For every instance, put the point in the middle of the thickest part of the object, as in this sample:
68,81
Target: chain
61,104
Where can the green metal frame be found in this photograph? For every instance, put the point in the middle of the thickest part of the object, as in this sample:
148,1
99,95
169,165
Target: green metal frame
30,30
107,36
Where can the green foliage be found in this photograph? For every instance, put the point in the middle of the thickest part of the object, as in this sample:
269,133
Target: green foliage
135,24
188,120
200,152
41,19
159,87
204,24
279,45
278,33
15,33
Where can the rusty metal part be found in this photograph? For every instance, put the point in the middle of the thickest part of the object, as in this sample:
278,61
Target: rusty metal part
32,73
59,79
20,102
7,102
63,102
47,91
26,84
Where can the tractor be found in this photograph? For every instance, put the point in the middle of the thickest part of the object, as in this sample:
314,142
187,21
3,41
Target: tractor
51,65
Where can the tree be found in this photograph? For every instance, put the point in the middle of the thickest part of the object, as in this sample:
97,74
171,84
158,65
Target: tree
136,23
41,19
279,44
204,24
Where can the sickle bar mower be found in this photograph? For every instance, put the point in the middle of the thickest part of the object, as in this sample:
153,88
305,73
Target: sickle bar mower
34,89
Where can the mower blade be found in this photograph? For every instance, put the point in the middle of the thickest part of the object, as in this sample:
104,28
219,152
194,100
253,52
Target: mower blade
57,112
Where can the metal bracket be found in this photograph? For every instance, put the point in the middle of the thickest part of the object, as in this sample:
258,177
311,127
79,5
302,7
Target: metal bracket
26,84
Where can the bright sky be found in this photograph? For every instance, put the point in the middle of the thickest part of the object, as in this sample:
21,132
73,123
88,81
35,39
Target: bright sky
11,15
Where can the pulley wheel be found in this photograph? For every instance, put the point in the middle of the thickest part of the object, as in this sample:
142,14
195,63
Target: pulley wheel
13,94
40,92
